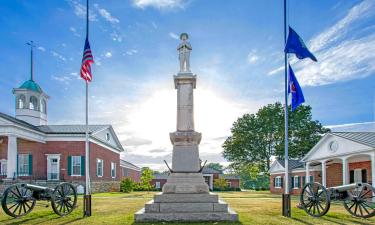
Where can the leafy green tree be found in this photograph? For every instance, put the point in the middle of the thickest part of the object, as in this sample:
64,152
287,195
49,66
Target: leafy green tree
216,166
146,177
127,185
220,184
257,137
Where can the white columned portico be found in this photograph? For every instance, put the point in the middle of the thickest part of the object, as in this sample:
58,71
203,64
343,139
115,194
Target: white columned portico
324,173
373,169
12,157
307,177
345,174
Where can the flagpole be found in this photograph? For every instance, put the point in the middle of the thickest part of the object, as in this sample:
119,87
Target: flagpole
87,197
286,196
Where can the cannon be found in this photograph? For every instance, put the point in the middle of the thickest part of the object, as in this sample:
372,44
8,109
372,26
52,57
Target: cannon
357,198
19,199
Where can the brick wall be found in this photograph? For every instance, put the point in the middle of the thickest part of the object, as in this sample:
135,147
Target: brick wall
234,183
162,182
4,147
334,174
362,165
130,173
293,191
65,149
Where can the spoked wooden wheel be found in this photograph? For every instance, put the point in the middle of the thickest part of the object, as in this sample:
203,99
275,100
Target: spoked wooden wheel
361,201
315,199
64,199
17,201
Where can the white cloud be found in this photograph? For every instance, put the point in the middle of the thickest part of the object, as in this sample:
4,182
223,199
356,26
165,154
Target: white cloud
80,10
252,57
74,31
344,51
41,48
160,4
108,54
59,56
132,52
106,15
173,35
63,79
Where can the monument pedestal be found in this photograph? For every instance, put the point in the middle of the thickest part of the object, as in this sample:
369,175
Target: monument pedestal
185,196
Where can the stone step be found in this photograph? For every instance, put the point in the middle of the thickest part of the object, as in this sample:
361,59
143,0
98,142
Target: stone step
151,207
186,198
142,216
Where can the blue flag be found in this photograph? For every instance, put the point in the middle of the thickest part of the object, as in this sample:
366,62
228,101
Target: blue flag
295,90
295,45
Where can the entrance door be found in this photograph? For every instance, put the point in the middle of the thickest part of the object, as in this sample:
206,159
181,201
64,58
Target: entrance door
53,168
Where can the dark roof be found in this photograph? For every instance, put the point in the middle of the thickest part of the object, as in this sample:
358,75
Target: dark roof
293,164
208,170
161,176
127,164
70,129
365,138
229,176
19,122
31,85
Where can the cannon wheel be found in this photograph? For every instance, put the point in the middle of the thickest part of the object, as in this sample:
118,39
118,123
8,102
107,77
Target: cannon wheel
64,199
17,200
315,199
361,201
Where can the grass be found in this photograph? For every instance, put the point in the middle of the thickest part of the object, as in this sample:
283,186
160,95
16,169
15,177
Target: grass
252,207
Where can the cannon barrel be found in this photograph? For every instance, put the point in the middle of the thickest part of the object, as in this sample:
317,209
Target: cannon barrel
345,187
36,187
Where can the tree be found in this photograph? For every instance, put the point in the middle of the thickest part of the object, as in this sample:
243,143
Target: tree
257,137
216,166
146,177
220,184
127,185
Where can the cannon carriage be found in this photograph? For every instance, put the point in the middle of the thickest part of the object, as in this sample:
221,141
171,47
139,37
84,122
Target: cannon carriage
19,199
357,198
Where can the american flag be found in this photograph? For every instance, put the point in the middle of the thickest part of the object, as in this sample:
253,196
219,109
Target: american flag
87,60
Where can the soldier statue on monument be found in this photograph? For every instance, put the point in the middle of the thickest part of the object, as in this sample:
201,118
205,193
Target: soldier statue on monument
184,49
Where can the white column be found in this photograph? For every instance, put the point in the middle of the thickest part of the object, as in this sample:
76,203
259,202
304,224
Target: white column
345,179
307,177
324,174
12,157
373,169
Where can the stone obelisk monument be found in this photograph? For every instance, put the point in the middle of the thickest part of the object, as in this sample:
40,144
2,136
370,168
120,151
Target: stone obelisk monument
185,196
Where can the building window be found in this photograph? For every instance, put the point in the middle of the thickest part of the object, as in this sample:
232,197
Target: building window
107,137
33,104
23,165
99,167
43,106
278,182
157,185
296,182
125,172
21,102
3,167
76,165
113,169
229,184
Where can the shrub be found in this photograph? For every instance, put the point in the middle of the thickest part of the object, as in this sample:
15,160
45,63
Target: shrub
127,185
220,184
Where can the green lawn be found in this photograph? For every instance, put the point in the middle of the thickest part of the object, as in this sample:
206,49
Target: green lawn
253,208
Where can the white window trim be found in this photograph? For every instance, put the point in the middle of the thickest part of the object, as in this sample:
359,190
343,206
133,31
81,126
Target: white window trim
97,167
294,182
276,178
156,184
80,166
114,168
4,164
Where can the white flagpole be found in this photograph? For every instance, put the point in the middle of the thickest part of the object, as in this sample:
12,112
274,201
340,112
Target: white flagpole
87,198
286,197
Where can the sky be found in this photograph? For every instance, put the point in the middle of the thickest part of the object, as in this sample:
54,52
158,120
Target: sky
237,56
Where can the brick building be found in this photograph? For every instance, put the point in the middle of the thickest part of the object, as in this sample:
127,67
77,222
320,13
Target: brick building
209,175
33,151
129,170
338,158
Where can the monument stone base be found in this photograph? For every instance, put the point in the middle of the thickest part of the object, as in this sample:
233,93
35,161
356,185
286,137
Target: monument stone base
185,197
